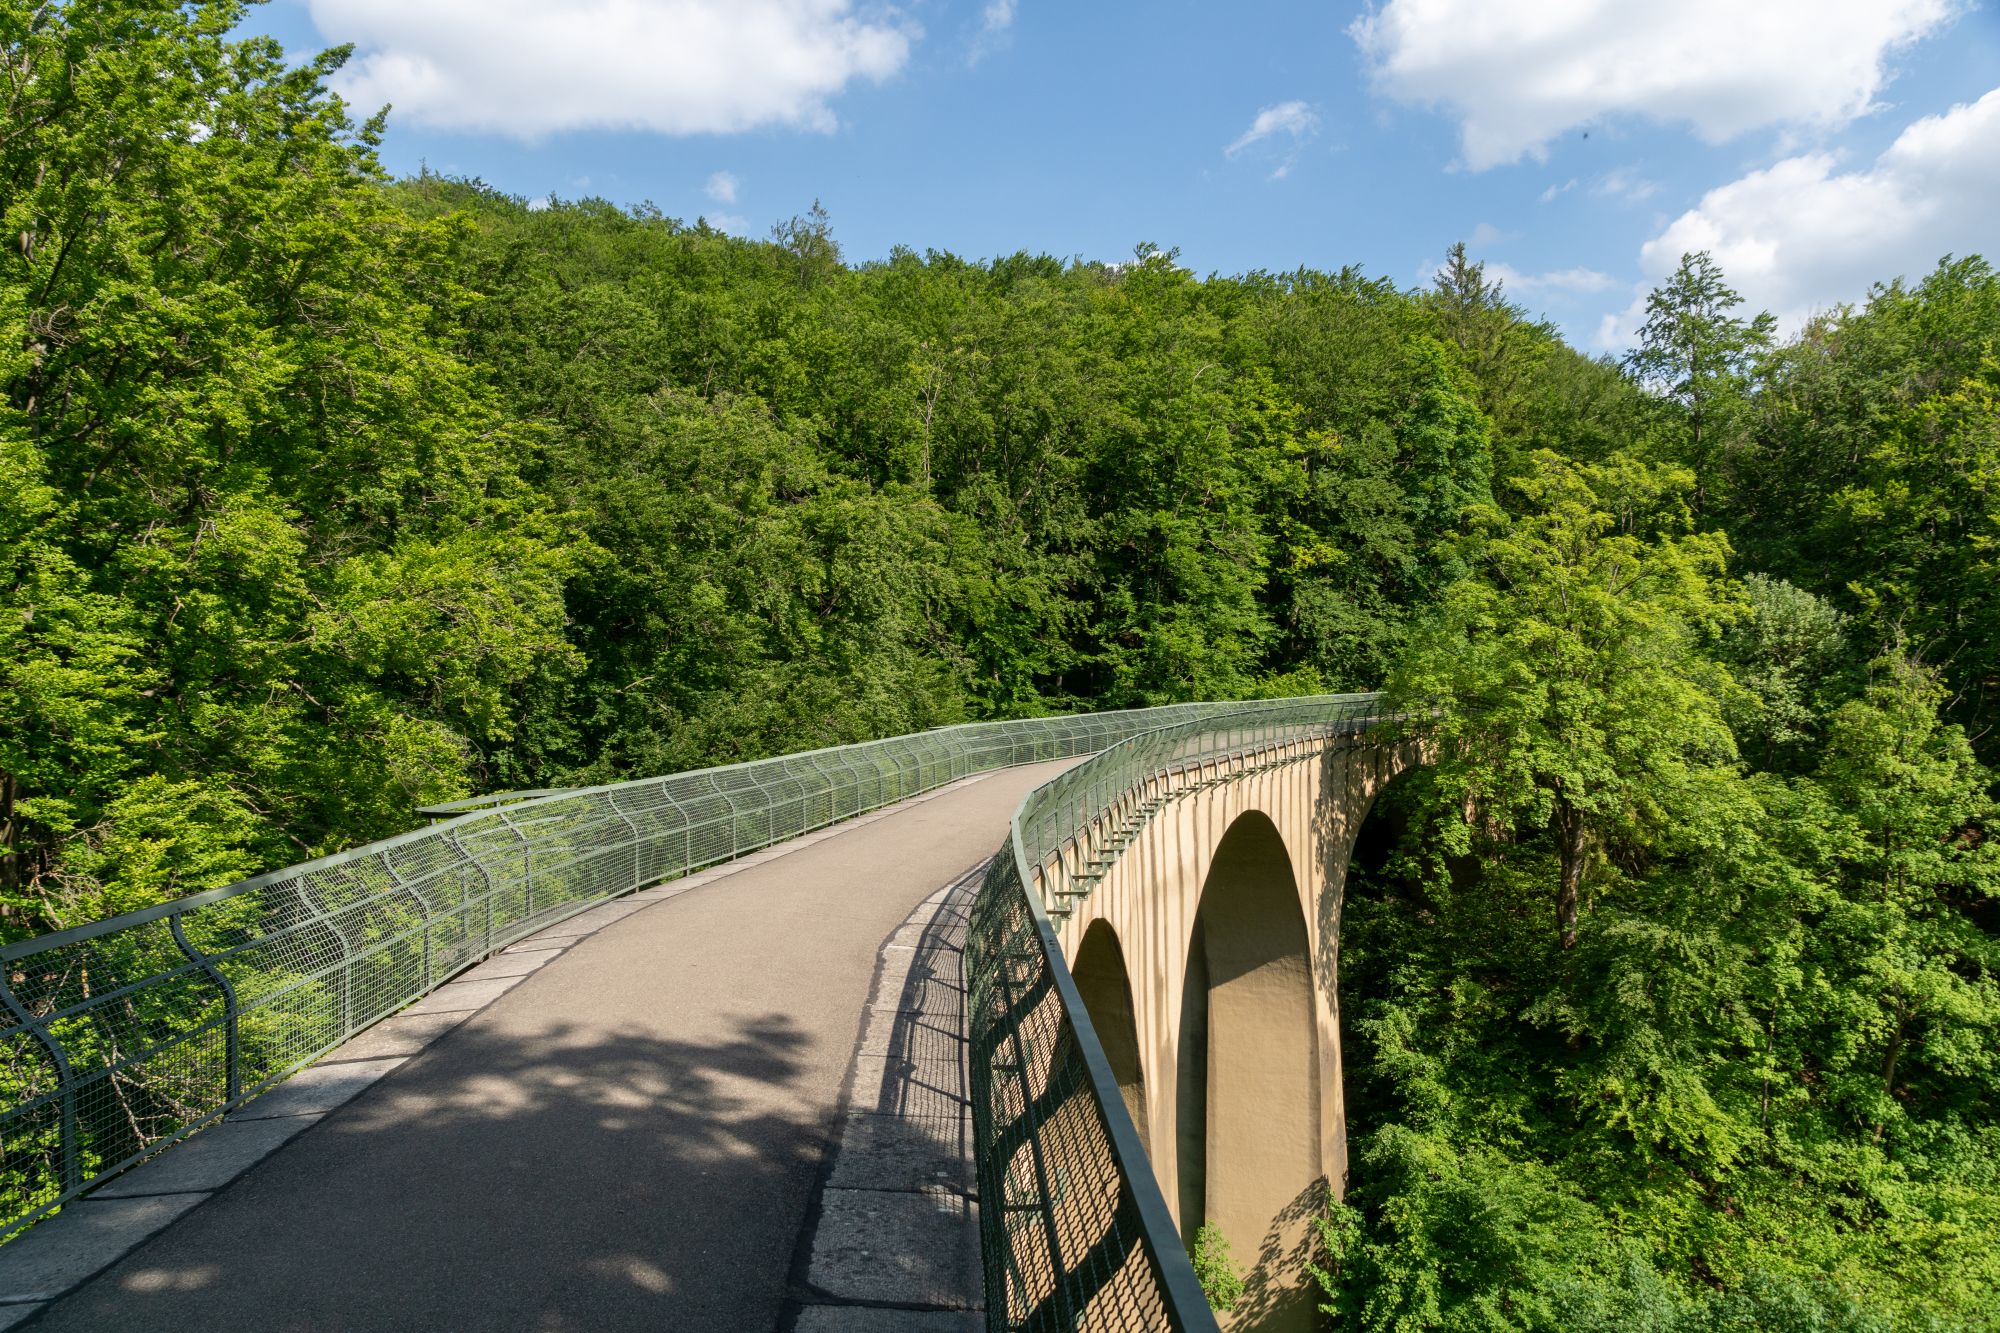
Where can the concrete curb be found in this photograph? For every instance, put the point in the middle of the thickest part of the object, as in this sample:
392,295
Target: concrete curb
892,1240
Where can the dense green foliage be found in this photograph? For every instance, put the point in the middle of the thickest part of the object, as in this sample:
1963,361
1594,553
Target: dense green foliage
1673,984
1670,986
326,495
269,568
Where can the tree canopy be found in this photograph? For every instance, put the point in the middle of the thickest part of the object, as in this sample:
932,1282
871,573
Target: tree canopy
1671,987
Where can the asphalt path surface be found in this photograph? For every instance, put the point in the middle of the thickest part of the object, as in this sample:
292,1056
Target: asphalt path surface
628,1139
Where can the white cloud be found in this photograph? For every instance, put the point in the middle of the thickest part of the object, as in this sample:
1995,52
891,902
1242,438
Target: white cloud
1803,235
722,187
528,68
1517,73
1566,281
995,22
1293,118
1486,234
1551,194
1624,184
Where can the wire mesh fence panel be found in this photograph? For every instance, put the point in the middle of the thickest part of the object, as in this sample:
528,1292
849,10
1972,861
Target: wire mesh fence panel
1074,1233
118,1037
1066,1247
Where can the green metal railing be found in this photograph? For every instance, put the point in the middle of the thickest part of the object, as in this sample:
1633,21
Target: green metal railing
120,1037
1075,1231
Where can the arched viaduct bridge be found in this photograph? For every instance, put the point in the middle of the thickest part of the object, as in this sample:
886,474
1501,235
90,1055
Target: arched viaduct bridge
962,1028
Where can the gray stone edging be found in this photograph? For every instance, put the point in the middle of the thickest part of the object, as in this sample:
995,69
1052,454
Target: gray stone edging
893,1235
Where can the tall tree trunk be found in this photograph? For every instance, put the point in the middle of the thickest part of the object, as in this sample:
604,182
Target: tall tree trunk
10,857
1568,825
1894,1055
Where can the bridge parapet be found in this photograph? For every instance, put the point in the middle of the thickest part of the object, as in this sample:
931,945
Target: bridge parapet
120,1037
1076,1231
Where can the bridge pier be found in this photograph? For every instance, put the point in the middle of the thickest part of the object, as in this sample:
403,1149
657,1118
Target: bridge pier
1260,1138
1208,956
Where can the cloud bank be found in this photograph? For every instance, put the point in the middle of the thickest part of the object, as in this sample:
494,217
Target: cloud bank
1565,282
1801,234
1517,73
529,68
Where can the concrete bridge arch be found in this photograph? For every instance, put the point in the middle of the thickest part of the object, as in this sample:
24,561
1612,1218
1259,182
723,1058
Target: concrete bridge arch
1208,956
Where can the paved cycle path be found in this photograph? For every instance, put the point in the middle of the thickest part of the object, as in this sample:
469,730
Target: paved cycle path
629,1137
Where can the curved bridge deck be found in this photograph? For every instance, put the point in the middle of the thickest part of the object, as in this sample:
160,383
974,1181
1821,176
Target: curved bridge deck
632,1135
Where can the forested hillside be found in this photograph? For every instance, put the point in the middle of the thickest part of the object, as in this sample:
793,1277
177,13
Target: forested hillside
1670,987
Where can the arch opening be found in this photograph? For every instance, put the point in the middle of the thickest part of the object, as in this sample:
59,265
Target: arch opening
1106,987
1248,1140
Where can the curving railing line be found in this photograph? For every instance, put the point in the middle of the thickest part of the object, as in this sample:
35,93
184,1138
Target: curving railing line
1075,1231
120,1037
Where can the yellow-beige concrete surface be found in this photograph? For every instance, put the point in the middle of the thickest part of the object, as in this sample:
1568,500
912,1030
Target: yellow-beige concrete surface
1222,917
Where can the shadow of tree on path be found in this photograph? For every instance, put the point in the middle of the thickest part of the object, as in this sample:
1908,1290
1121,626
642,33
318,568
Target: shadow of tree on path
553,1179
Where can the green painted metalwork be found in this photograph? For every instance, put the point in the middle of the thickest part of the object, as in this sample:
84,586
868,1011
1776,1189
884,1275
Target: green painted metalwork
120,1037
1074,1230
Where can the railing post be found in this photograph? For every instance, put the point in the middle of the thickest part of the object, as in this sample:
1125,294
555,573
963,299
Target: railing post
826,783
527,866
68,1159
735,819
687,826
232,1051
423,910
486,878
631,828
315,913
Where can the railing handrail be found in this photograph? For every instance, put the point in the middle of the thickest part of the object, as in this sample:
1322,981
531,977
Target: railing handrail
445,809
1121,767
532,800
120,1036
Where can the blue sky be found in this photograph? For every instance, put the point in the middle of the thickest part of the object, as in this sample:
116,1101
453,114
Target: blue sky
1577,145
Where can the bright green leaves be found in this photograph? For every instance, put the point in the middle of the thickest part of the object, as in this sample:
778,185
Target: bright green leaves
1698,357
1393,451
270,570
1564,679
451,624
1785,654
1875,481
1917,982
1462,1240
1766,1055
1097,490
1927,509
157,840
73,680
